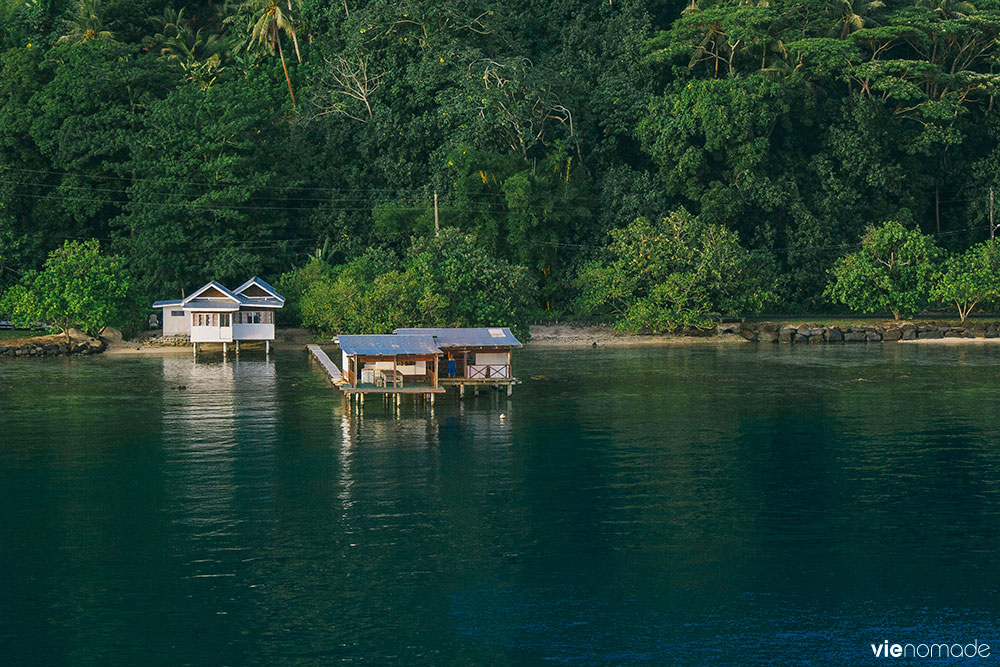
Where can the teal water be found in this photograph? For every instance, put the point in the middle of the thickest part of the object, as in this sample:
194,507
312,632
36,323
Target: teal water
693,506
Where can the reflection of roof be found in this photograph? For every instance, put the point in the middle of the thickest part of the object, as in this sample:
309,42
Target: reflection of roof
472,337
387,344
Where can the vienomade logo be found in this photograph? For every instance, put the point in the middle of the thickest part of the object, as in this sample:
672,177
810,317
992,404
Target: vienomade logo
973,650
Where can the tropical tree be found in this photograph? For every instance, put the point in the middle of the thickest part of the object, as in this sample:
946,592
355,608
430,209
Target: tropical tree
893,271
267,21
86,23
675,272
971,278
77,287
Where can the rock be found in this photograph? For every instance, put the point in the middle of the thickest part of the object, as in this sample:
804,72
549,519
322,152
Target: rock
786,336
834,335
855,336
930,333
909,334
993,334
723,328
803,330
112,336
813,340
767,326
977,333
749,334
954,333
767,337
874,336
818,331
893,333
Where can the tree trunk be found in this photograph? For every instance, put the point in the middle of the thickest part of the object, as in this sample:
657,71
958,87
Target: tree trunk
295,37
285,67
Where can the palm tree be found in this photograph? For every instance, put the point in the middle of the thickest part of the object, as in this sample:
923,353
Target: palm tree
855,15
267,22
949,9
86,23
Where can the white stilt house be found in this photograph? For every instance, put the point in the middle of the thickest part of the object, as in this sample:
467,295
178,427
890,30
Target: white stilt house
214,314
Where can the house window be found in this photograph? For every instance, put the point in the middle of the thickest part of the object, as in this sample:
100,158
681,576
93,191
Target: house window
176,313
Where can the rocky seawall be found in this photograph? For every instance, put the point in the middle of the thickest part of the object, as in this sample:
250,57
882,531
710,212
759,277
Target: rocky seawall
50,346
770,332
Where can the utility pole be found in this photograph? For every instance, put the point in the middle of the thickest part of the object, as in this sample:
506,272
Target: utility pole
993,228
437,229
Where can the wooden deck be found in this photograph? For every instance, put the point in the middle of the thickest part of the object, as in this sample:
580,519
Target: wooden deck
372,389
324,361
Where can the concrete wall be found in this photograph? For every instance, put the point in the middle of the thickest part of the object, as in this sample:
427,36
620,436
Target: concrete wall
175,325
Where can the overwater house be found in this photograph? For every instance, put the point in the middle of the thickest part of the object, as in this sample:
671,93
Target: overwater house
389,364
473,356
214,314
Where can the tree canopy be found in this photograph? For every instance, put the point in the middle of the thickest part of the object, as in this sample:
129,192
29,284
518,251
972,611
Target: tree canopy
214,140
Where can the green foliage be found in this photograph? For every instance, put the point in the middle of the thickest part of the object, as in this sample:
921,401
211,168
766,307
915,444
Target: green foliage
173,132
970,279
892,272
77,287
677,272
447,280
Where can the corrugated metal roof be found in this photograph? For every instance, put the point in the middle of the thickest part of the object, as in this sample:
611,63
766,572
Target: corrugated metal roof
215,304
260,283
167,304
387,344
219,286
259,303
470,337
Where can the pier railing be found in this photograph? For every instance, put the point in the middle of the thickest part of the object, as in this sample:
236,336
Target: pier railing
488,372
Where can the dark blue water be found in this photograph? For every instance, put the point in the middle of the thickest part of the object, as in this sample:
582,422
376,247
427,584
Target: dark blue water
707,505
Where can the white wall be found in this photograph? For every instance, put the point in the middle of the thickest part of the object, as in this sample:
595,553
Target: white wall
173,326
253,332
214,334
484,358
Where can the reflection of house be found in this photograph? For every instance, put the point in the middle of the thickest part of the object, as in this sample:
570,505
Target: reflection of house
214,314
390,364
479,356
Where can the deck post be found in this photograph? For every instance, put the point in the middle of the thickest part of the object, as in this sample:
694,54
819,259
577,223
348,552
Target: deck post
237,348
461,391
432,400
362,398
510,388
223,349
194,347
267,347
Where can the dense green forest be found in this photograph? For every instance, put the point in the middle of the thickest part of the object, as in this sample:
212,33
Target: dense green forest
305,138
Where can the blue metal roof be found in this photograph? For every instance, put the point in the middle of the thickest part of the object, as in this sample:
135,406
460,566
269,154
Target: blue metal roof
387,344
471,337
260,283
167,304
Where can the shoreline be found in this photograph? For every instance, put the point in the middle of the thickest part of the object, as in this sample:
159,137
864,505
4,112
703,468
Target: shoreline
558,336
566,335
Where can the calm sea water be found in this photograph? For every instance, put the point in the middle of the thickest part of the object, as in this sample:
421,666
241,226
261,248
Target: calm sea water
691,506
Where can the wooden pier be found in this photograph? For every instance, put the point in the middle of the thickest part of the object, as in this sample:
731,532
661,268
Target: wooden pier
317,352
